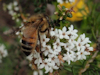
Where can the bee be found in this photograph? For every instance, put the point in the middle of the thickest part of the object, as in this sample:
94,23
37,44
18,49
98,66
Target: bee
35,25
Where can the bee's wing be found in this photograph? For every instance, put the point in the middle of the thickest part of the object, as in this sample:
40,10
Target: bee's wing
32,29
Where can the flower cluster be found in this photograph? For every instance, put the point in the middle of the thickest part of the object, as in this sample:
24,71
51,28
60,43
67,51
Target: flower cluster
12,10
3,52
61,46
66,1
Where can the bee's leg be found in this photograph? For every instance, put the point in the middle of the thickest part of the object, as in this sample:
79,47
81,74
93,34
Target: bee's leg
47,29
44,30
39,40
40,43
37,48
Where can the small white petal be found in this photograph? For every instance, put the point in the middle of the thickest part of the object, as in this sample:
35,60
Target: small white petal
9,6
35,73
64,29
41,66
15,3
90,48
40,72
60,1
16,8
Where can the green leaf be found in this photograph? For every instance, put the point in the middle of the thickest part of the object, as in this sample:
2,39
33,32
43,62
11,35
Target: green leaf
65,64
74,72
69,69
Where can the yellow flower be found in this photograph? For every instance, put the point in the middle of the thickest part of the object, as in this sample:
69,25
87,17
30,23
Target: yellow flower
81,10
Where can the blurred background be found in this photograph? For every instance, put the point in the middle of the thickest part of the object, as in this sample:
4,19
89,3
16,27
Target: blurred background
86,20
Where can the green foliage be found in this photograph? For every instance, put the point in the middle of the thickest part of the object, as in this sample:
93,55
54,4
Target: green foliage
73,68
90,25
93,69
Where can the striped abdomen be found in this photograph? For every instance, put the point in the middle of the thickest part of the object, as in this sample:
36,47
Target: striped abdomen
29,44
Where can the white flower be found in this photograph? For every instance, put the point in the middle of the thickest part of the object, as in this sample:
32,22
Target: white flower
88,48
35,73
68,46
57,61
78,44
84,40
46,50
44,40
15,3
71,42
9,6
49,65
82,54
13,18
60,1
16,8
53,66
71,1
3,52
30,57
52,53
72,32
40,72
56,49
69,57
63,33
38,58
54,32
17,20
45,65
11,12
57,44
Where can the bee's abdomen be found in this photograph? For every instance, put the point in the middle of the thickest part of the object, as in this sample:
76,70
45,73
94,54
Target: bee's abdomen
28,44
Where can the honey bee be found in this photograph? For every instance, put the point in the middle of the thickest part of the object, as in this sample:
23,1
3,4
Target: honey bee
35,25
